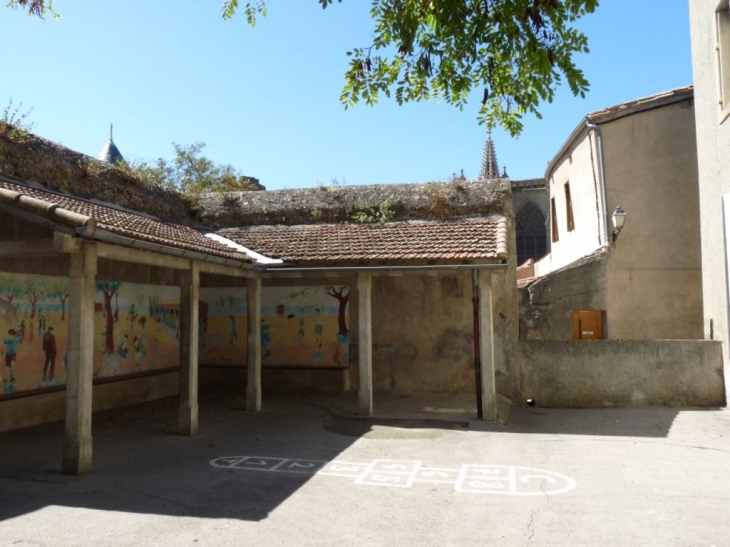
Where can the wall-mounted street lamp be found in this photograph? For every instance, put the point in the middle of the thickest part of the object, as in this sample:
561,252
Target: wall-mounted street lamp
618,217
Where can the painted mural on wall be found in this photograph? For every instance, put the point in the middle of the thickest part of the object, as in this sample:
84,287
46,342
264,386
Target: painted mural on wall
299,326
134,330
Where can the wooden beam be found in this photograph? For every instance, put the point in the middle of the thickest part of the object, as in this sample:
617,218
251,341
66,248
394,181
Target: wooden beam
189,318
77,441
138,256
253,366
223,269
31,247
365,343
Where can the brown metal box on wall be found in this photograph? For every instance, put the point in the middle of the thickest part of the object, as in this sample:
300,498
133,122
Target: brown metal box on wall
589,324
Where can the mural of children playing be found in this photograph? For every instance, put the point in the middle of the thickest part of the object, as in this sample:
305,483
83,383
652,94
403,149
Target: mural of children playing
265,339
234,333
11,352
49,348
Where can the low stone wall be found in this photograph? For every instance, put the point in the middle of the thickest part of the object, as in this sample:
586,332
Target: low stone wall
50,407
600,373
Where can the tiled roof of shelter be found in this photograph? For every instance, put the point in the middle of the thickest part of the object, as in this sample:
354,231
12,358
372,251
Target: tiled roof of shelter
446,242
53,206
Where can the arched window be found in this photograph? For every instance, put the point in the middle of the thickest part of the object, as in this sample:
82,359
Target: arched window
531,233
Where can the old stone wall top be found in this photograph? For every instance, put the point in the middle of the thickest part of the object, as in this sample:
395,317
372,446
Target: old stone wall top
425,201
30,158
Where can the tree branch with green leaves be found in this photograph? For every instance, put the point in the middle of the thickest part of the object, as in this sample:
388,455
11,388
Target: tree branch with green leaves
517,52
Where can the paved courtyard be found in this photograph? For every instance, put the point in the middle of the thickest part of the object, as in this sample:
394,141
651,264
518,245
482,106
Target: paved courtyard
303,473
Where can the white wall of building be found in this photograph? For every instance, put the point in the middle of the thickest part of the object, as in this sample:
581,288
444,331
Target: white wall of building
713,153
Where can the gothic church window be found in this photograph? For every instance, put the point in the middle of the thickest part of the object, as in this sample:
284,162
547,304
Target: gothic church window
531,233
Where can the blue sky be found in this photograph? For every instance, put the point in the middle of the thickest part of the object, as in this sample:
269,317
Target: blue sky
266,100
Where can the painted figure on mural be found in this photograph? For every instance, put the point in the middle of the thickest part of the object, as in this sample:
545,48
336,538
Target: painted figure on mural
132,317
265,339
234,333
123,349
139,351
318,328
11,352
40,322
21,334
49,348
300,334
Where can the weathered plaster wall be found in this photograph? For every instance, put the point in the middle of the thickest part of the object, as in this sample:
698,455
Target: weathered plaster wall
50,407
597,373
546,305
338,203
651,170
36,160
713,143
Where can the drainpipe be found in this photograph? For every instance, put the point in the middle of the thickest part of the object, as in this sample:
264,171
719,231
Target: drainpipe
477,347
601,175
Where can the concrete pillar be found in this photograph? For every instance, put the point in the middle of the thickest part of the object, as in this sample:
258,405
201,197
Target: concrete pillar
486,339
77,442
187,415
253,366
365,343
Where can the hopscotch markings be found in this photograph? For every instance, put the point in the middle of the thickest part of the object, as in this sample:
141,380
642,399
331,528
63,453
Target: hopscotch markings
344,469
514,481
469,478
437,475
390,473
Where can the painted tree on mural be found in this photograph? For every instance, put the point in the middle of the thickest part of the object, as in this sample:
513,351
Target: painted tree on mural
9,289
59,289
108,289
342,298
34,290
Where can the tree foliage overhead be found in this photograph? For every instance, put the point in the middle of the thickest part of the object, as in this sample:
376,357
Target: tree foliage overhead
515,53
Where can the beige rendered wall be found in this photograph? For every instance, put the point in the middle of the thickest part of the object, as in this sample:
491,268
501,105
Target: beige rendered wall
713,144
651,171
50,407
578,166
597,373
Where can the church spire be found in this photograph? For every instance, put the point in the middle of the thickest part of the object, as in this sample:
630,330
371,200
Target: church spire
111,153
490,169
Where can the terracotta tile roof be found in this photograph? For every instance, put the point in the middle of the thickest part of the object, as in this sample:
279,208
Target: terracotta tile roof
444,241
111,219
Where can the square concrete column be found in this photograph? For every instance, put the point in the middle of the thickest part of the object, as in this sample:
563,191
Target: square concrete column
486,339
365,343
253,366
187,415
77,442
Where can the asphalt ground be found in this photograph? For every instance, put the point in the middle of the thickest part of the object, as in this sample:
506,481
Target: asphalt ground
303,472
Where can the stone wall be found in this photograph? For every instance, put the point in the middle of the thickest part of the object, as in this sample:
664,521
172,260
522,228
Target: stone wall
429,201
546,306
599,373
36,160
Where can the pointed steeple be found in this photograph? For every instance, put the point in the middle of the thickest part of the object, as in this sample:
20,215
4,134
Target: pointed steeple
111,153
490,169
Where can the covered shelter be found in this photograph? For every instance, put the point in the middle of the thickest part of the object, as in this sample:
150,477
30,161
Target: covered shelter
102,283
